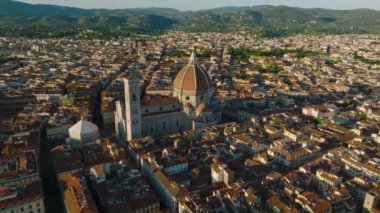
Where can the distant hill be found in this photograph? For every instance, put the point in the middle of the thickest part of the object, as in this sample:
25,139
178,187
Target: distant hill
282,20
22,19
27,20
14,8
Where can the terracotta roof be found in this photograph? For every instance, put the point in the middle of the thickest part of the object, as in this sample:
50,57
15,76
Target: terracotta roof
99,169
31,193
76,195
5,191
203,108
280,205
321,206
171,186
192,78
158,100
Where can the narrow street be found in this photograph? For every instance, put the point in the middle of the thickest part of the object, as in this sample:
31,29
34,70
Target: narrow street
97,110
52,194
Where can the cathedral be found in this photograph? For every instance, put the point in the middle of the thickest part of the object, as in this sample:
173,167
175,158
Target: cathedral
188,108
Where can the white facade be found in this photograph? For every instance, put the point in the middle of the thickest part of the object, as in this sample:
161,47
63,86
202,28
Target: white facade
376,137
47,97
120,121
163,124
320,111
188,107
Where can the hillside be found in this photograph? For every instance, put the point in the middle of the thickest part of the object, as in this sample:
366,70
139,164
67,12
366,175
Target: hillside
282,20
14,8
21,19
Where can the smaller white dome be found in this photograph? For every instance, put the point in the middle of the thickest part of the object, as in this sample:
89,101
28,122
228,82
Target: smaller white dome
84,131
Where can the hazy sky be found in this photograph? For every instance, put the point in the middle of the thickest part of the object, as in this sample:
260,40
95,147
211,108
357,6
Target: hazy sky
206,4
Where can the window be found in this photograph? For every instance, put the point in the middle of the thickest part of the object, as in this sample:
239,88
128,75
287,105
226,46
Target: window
134,97
164,125
187,98
146,110
160,108
202,98
173,106
177,123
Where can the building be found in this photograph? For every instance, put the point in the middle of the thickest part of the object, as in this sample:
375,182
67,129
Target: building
220,173
327,180
371,201
169,191
57,131
120,120
22,198
310,202
83,133
120,188
76,194
275,204
50,97
18,167
188,108
108,118
320,111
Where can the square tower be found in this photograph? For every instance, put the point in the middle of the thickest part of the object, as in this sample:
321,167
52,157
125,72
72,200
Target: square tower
132,108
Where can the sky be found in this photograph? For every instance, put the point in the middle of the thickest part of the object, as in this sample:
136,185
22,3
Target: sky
207,4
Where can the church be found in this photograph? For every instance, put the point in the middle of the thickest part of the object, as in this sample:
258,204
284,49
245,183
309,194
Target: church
188,108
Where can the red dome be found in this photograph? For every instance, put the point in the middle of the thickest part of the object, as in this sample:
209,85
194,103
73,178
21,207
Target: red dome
192,78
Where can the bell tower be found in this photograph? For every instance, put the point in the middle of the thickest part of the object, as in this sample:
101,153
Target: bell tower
132,108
